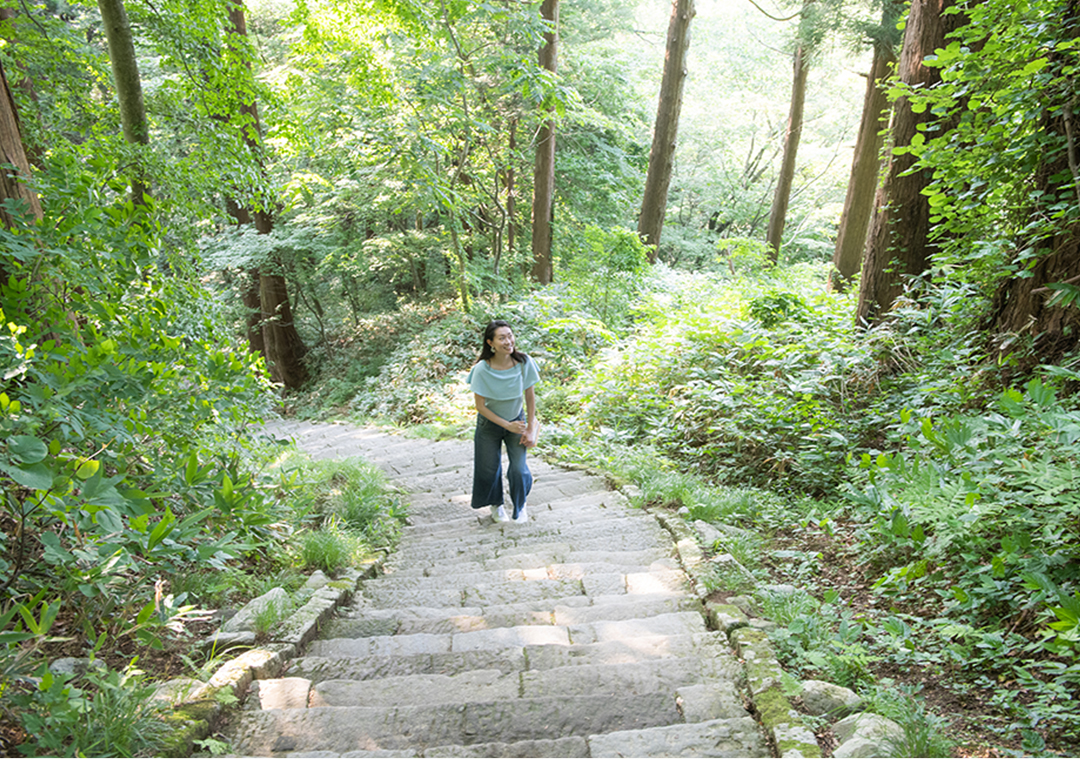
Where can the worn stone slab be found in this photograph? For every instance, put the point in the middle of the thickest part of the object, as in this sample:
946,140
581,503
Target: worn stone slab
667,624
571,746
273,606
644,677
489,594
471,686
603,608
510,638
349,729
383,646
714,700
446,663
278,694
738,737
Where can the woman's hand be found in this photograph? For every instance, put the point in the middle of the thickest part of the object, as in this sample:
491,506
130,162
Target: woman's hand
517,426
528,438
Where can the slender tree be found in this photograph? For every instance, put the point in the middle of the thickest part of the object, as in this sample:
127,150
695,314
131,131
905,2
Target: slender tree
665,129
774,234
125,68
277,337
898,243
13,182
866,162
544,168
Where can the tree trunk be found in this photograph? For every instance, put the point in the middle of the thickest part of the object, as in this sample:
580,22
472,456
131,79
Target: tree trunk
897,245
544,169
279,342
662,154
1026,304
129,93
511,198
774,234
14,184
865,167
284,349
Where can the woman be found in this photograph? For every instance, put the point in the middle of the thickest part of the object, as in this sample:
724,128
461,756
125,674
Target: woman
502,383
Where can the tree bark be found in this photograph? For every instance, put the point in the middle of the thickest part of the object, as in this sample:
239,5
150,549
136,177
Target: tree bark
898,243
865,168
270,327
125,68
13,185
284,348
774,234
665,129
544,169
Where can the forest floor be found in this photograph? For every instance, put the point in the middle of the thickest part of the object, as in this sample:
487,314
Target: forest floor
979,730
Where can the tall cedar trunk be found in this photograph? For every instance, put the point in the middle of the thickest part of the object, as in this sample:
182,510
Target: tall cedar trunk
774,234
280,341
544,170
662,154
865,167
13,184
129,93
1021,305
897,244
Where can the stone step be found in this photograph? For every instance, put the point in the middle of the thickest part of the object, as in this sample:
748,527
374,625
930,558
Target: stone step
359,621
516,637
443,518
571,746
330,662
613,521
732,737
664,570
487,685
347,729
602,541
532,559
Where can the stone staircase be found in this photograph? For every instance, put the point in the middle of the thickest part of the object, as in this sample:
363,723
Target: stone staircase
573,635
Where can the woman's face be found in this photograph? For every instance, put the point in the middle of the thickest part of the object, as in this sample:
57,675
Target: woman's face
503,341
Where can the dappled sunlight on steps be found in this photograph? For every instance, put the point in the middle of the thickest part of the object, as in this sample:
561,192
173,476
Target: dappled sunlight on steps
573,635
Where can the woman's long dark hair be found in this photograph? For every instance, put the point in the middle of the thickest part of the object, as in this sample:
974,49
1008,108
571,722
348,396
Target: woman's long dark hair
489,334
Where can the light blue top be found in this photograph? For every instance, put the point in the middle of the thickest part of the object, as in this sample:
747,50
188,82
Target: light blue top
504,389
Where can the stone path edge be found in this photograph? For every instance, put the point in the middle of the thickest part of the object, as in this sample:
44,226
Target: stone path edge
198,711
782,722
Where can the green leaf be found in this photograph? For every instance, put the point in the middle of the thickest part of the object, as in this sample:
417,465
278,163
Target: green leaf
27,449
161,530
87,469
38,477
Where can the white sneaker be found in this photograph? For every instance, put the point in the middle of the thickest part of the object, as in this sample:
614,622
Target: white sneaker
500,514
522,516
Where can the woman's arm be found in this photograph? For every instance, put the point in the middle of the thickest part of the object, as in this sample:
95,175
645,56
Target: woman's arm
532,431
517,426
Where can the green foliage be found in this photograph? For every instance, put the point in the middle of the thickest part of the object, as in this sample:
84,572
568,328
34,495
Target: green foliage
104,713
980,507
924,734
348,494
825,639
607,273
329,549
745,403
988,137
